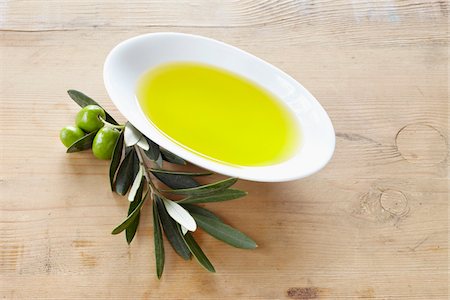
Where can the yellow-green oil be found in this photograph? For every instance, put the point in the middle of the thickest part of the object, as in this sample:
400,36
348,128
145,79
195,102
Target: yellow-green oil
218,114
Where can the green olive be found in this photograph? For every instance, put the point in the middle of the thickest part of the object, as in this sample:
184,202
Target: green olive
70,134
104,142
88,118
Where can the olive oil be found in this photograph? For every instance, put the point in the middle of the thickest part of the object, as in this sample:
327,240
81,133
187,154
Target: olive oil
218,114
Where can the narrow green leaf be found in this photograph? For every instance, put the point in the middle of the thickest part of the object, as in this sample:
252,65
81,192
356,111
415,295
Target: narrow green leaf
198,253
130,232
131,217
159,245
225,195
153,150
83,100
136,164
80,98
142,143
172,158
128,149
181,173
159,161
195,209
180,215
171,230
183,229
82,143
224,232
136,183
176,181
205,189
131,135
126,171
115,160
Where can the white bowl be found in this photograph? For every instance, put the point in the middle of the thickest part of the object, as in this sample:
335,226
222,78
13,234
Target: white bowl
128,60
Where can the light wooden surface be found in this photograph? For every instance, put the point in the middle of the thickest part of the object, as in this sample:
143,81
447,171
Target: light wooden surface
372,224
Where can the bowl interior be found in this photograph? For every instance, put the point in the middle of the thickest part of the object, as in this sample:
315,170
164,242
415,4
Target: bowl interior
131,58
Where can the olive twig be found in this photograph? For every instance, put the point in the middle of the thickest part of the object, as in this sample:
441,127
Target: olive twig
111,125
153,188
96,129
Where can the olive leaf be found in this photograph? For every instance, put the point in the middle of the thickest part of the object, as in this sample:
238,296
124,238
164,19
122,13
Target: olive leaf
159,245
83,143
224,232
131,135
183,229
179,214
153,152
205,189
159,161
175,181
225,195
128,149
195,209
198,253
142,143
115,159
181,173
125,173
131,217
130,232
83,100
136,183
171,231
172,158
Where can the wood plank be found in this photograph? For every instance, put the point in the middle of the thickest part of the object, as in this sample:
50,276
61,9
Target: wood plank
61,15
372,22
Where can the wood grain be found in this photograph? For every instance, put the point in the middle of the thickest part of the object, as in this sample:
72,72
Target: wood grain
372,224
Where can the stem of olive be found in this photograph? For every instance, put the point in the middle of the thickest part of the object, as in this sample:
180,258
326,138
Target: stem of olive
111,125
153,188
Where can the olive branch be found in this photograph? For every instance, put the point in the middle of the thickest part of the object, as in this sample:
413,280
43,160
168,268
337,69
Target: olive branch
136,169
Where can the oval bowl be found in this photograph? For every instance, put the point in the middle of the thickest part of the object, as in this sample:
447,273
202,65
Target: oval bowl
131,58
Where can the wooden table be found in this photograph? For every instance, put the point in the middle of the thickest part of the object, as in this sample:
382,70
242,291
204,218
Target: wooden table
372,224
